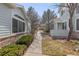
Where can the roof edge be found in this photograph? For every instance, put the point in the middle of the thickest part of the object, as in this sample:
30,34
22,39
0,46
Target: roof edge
10,5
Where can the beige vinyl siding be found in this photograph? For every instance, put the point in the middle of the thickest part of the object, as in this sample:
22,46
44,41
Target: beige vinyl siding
5,20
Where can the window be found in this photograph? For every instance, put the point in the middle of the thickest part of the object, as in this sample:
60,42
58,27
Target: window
14,26
77,9
23,27
77,24
17,26
62,26
62,12
20,26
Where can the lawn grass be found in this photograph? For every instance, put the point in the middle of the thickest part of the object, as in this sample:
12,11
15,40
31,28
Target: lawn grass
58,48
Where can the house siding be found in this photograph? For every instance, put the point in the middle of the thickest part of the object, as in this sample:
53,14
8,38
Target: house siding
65,18
5,20
18,12
6,16
29,27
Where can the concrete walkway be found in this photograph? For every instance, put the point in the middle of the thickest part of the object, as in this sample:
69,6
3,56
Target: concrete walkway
35,48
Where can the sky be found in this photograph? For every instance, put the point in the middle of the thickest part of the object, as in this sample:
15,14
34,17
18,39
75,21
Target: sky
40,7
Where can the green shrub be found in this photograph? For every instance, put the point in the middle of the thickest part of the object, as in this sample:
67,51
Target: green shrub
12,50
10,54
27,39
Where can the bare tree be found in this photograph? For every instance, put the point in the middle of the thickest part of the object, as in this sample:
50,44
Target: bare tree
71,9
33,17
47,17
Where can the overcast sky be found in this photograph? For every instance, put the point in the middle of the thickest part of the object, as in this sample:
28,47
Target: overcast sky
40,7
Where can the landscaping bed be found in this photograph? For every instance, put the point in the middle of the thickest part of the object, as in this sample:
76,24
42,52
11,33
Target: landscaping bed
26,40
13,50
57,48
18,48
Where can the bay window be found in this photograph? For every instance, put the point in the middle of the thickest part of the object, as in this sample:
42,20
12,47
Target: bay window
17,26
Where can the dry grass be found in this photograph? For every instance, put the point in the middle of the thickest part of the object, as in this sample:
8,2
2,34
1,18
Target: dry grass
58,48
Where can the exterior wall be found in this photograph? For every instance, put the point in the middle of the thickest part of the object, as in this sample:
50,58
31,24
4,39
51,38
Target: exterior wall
59,33
65,18
65,15
29,27
5,20
17,11
26,26
6,15
9,40
75,35
62,18
76,16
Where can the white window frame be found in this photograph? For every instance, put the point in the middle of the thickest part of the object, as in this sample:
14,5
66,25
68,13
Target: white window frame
18,19
76,25
77,11
61,29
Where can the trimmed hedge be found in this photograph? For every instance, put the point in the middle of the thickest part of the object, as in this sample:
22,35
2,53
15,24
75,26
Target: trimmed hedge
26,40
12,50
18,48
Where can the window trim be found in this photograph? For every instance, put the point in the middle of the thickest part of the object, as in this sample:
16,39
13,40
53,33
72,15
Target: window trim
18,16
64,24
18,26
76,25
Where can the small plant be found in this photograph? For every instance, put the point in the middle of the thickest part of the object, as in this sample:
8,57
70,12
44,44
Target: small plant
12,50
27,39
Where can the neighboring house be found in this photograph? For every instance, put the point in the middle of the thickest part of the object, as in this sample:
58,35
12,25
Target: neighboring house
13,22
61,27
